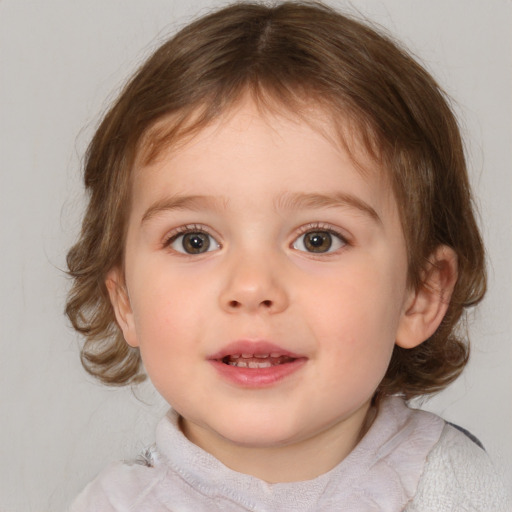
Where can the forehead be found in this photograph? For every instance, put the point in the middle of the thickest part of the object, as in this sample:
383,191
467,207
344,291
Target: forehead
328,115
184,132
251,160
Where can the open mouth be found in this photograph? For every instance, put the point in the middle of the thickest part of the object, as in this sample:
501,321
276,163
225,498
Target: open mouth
256,361
260,364
256,364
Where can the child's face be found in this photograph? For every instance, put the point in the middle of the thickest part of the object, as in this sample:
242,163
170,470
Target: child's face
260,237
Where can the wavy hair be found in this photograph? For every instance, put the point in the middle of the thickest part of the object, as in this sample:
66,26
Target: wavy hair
294,54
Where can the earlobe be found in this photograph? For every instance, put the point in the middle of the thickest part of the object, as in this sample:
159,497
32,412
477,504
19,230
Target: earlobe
121,303
426,307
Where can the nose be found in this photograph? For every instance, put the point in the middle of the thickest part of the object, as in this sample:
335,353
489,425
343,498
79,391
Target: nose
254,285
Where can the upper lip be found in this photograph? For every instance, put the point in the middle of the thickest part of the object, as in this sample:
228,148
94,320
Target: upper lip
254,348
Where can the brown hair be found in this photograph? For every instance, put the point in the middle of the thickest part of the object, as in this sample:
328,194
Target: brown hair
292,54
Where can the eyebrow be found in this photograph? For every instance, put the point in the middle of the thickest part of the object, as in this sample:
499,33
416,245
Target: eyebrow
297,201
192,202
286,201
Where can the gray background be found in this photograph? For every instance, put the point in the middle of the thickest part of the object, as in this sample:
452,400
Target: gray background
61,62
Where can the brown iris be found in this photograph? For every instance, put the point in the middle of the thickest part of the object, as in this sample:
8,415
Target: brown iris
196,243
317,241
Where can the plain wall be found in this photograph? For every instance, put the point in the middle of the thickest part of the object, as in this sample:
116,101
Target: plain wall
61,62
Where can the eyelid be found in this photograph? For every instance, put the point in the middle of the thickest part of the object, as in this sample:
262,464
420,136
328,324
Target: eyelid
321,226
175,233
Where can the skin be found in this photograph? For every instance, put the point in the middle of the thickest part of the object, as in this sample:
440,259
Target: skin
246,183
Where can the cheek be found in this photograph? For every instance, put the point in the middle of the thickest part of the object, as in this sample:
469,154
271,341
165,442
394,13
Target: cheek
158,309
359,312
162,295
368,295
166,337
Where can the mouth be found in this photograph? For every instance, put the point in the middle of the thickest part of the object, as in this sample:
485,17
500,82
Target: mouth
256,364
256,361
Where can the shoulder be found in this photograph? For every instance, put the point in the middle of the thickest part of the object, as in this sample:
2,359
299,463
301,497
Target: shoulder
459,475
120,487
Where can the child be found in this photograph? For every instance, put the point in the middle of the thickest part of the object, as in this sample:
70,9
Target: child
280,230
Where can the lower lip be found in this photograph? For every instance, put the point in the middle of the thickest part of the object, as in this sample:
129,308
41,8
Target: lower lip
258,377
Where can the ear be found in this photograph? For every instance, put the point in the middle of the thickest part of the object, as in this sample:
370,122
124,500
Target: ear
424,308
120,301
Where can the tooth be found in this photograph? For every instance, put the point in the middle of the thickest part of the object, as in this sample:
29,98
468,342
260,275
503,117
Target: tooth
257,364
275,354
241,364
261,356
246,356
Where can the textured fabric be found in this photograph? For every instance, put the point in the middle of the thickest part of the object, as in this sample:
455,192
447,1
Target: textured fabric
409,461
459,476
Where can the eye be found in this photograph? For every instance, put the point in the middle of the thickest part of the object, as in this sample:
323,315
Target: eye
319,241
193,242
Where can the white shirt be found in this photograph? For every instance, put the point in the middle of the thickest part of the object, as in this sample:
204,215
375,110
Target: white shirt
409,460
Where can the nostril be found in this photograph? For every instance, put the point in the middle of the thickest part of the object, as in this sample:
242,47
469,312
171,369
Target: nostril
234,304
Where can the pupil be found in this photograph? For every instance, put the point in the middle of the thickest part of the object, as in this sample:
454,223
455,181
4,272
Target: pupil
195,243
318,241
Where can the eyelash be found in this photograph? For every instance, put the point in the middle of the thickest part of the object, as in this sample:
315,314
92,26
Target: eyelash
311,227
320,226
183,230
